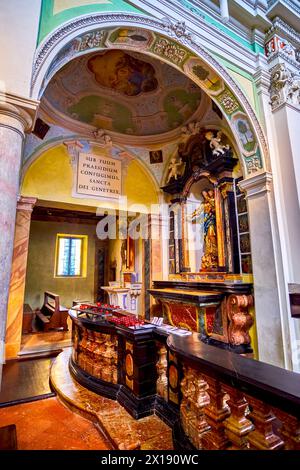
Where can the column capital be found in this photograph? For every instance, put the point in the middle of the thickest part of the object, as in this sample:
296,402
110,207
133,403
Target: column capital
17,108
256,185
73,148
285,87
26,203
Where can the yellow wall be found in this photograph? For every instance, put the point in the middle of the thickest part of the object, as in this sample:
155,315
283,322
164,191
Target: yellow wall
41,262
138,187
50,178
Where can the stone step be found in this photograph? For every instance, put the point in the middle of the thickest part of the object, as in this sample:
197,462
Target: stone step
112,420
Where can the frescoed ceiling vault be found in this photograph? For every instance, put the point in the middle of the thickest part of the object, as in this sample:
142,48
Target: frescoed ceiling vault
123,92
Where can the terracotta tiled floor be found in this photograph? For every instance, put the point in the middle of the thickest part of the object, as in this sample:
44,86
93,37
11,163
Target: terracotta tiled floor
49,425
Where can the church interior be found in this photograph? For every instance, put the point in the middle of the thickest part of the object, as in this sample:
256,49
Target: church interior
143,309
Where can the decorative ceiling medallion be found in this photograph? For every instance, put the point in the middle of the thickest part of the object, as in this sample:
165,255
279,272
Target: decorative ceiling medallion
130,37
202,74
228,102
245,134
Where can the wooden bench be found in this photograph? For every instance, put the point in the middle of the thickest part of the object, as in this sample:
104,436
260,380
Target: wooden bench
52,315
27,319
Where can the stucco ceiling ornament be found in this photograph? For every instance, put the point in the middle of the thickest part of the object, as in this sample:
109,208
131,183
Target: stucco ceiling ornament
103,138
192,128
253,164
91,40
228,101
177,29
73,148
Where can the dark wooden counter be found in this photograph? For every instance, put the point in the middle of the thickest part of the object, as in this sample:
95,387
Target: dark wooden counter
211,397
115,361
271,384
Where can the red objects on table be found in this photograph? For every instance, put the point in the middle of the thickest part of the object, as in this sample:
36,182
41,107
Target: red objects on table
112,314
84,307
127,321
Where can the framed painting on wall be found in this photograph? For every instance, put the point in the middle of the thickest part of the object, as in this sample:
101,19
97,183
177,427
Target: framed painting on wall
156,156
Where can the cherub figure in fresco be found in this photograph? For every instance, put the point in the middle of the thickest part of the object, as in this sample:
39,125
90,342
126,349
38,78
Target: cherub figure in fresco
215,143
174,171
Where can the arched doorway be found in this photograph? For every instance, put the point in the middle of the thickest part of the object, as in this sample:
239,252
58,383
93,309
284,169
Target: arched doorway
172,44
169,43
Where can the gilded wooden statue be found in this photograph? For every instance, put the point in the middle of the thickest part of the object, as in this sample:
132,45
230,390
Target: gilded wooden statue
210,256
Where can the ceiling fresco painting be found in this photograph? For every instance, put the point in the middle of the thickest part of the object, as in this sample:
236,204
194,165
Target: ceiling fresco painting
121,92
179,104
121,72
103,113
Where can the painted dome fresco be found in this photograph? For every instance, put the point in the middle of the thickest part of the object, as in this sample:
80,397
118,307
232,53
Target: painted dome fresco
127,93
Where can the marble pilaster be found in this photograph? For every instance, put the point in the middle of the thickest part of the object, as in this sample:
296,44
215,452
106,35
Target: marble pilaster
268,307
156,247
283,121
18,276
16,117
152,259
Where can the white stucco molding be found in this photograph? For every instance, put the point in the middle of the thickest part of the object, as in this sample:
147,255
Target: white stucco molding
292,106
210,35
19,109
280,27
257,184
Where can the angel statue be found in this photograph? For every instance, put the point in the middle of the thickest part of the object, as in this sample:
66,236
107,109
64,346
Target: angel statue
215,143
174,171
192,128
210,255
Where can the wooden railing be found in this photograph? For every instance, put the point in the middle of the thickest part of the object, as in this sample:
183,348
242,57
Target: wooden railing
233,402
211,397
